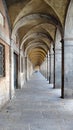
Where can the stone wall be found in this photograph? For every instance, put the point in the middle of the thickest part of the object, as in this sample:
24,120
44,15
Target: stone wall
4,30
5,81
5,40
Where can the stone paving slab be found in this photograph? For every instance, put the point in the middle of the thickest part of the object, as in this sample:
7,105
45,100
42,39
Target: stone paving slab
37,106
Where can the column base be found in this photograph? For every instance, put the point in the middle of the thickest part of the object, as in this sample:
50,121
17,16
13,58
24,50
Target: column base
57,85
68,93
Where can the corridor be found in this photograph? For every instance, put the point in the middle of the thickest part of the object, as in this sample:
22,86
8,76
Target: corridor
37,106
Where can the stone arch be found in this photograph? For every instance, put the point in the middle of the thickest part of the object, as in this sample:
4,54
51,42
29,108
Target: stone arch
43,19
37,44
69,22
33,35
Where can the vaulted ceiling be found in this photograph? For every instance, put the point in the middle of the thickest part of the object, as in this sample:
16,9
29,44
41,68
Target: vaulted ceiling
35,22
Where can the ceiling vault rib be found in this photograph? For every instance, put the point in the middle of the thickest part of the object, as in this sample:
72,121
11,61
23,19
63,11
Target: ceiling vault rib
34,24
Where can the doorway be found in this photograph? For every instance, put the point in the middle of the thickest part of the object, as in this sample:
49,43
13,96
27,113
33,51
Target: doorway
15,71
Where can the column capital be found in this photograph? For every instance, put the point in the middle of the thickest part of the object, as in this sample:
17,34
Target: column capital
50,54
68,42
58,49
53,49
25,57
47,56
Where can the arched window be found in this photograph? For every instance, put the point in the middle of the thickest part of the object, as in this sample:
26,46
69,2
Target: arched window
1,19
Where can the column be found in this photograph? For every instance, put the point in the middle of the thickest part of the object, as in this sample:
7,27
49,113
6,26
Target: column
58,61
52,65
62,71
12,70
47,69
68,70
19,69
26,69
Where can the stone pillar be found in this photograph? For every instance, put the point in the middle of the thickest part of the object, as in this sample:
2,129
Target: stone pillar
19,70
52,65
12,71
25,69
47,69
68,71
48,66
63,66
58,61
44,68
28,68
68,49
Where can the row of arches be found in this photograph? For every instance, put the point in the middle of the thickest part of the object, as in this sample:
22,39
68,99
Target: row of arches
38,35
57,38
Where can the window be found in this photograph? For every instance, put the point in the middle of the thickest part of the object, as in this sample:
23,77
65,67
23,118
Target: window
2,60
1,19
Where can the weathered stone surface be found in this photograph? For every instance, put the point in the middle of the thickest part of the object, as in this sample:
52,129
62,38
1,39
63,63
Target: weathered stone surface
4,40
37,107
68,81
5,80
52,65
68,52
58,60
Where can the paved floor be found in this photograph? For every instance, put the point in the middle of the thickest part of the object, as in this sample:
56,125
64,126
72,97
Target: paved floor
37,107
